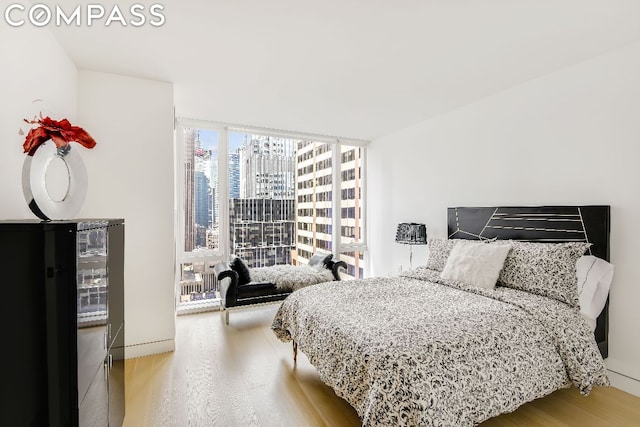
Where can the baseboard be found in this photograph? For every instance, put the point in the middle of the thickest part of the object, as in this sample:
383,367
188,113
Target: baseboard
193,307
628,369
624,376
630,385
148,349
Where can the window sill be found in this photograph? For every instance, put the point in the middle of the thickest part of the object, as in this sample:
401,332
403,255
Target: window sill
200,306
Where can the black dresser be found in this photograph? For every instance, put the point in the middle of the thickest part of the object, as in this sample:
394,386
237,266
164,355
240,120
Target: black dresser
63,319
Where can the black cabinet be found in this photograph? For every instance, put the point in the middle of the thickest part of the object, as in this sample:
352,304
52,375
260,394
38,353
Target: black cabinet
63,321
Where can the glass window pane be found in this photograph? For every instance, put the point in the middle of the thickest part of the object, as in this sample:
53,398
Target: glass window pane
281,204
351,194
262,171
201,211
355,264
197,282
314,197
351,205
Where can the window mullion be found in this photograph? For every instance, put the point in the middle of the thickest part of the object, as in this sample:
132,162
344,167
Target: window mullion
224,193
180,193
336,205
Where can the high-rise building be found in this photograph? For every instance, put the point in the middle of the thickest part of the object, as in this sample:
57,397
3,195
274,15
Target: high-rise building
213,207
215,203
202,200
267,167
213,237
189,201
234,175
262,231
351,207
201,236
314,197
198,202
262,219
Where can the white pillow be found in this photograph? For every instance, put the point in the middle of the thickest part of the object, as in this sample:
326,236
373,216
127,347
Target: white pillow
475,263
594,280
592,323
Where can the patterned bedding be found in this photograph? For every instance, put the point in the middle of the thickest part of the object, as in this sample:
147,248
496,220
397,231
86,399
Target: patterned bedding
417,350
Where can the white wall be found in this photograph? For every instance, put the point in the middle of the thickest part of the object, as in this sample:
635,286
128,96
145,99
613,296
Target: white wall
32,66
571,137
130,170
131,177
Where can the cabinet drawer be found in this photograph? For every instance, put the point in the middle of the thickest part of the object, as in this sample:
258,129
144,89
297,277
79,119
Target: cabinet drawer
94,409
91,355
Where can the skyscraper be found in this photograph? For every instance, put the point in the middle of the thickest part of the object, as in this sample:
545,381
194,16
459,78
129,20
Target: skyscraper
189,202
315,200
202,200
197,192
215,203
267,168
351,207
213,207
234,175
262,219
262,231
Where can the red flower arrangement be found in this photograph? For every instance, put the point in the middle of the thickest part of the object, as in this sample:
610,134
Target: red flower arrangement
60,132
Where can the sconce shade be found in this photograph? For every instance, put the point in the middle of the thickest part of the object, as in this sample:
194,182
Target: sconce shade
411,234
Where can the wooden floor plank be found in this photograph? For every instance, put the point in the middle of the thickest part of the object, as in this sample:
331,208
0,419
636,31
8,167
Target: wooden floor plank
242,375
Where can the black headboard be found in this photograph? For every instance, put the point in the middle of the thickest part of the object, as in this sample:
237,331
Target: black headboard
540,224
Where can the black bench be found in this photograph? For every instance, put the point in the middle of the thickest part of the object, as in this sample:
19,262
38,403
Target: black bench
236,292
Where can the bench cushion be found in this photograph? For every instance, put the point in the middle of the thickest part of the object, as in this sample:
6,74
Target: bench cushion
259,289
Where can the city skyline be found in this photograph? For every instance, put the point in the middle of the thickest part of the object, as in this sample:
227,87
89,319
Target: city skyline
281,198
209,140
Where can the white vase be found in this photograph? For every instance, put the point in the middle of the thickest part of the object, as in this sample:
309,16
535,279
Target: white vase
70,182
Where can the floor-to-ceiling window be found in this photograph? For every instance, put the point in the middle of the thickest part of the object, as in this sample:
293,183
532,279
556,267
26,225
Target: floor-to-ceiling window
267,197
352,232
200,154
262,216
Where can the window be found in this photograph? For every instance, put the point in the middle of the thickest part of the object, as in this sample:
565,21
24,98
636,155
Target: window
351,226
266,197
315,199
199,214
200,202
262,211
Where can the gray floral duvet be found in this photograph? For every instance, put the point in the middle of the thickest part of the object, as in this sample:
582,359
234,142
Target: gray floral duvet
417,350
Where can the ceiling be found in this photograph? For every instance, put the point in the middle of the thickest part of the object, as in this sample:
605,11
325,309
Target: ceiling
348,68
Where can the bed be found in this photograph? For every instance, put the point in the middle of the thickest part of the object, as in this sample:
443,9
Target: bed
422,350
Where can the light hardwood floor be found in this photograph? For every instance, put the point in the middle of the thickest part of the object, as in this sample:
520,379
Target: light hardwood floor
241,375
